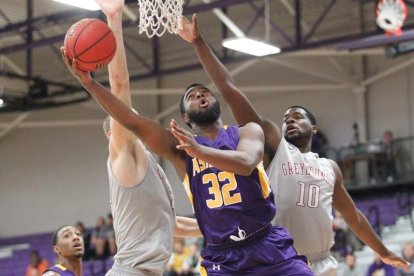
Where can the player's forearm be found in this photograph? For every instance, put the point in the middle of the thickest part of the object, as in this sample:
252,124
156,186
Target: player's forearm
237,162
113,106
212,65
155,137
242,110
186,227
362,228
118,71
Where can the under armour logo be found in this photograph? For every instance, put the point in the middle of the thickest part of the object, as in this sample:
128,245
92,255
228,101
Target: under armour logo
216,267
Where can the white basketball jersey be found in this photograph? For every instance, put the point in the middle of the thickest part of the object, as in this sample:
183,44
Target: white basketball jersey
303,185
144,220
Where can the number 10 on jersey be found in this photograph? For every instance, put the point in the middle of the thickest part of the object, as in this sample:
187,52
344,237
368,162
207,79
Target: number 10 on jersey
312,192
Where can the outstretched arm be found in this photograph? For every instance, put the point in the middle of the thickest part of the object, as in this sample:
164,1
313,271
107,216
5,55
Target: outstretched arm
186,227
158,140
360,224
241,108
126,152
242,161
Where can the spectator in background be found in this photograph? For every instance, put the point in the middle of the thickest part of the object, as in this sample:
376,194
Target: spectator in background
110,236
379,268
192,262
340,228
175,266
351,268
390,151
87,239
408,255
98,239
37,265
350,242
319,144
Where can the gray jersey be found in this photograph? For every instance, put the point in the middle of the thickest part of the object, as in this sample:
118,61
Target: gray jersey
144,219
303,185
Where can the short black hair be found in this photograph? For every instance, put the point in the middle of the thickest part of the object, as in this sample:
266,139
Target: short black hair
311,118
182,108
55,235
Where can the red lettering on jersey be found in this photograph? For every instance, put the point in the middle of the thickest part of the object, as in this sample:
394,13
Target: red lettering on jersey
290,168
284,170
302,167
296,168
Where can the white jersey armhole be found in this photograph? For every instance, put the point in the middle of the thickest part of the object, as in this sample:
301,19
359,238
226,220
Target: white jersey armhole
117,182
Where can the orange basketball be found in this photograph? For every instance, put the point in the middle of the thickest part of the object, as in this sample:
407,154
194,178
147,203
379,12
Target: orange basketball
91,42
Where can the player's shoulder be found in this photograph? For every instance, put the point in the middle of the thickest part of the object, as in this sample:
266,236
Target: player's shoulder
251,127
331,161
334,166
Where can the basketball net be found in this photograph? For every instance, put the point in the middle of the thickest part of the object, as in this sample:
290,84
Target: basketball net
158,16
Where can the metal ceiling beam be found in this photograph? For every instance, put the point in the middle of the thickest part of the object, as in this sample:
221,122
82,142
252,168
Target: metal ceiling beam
34,44
198,8
301,25
259,13
387,72
274,26
69,15
252,89
37,79
14,124
29,39
298,21
306,71
319,20
64,16
409,3
377,40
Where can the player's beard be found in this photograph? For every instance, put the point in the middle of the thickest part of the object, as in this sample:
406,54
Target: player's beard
79,255
207,117
300,138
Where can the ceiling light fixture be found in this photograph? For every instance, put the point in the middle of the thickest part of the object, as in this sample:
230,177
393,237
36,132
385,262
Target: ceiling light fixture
247,45
83,4
250,46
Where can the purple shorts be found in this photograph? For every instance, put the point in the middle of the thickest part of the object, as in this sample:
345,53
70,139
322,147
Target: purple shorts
269,253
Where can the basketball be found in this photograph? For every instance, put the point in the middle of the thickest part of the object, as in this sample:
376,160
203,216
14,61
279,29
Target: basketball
91,42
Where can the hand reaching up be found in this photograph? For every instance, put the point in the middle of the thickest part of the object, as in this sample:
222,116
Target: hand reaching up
111,7
186,139
81,75
189,31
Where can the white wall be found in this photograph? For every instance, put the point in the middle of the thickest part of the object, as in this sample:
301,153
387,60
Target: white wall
51,177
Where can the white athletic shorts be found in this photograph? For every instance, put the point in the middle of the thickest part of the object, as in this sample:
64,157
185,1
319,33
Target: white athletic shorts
325,265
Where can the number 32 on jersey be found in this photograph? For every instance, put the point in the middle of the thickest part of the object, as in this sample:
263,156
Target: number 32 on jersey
221,195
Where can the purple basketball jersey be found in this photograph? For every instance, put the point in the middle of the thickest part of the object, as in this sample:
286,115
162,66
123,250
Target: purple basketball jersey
228,207
63,271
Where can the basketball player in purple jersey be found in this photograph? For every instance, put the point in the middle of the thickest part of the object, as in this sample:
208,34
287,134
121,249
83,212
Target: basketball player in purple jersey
224,179
68,245
305,186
